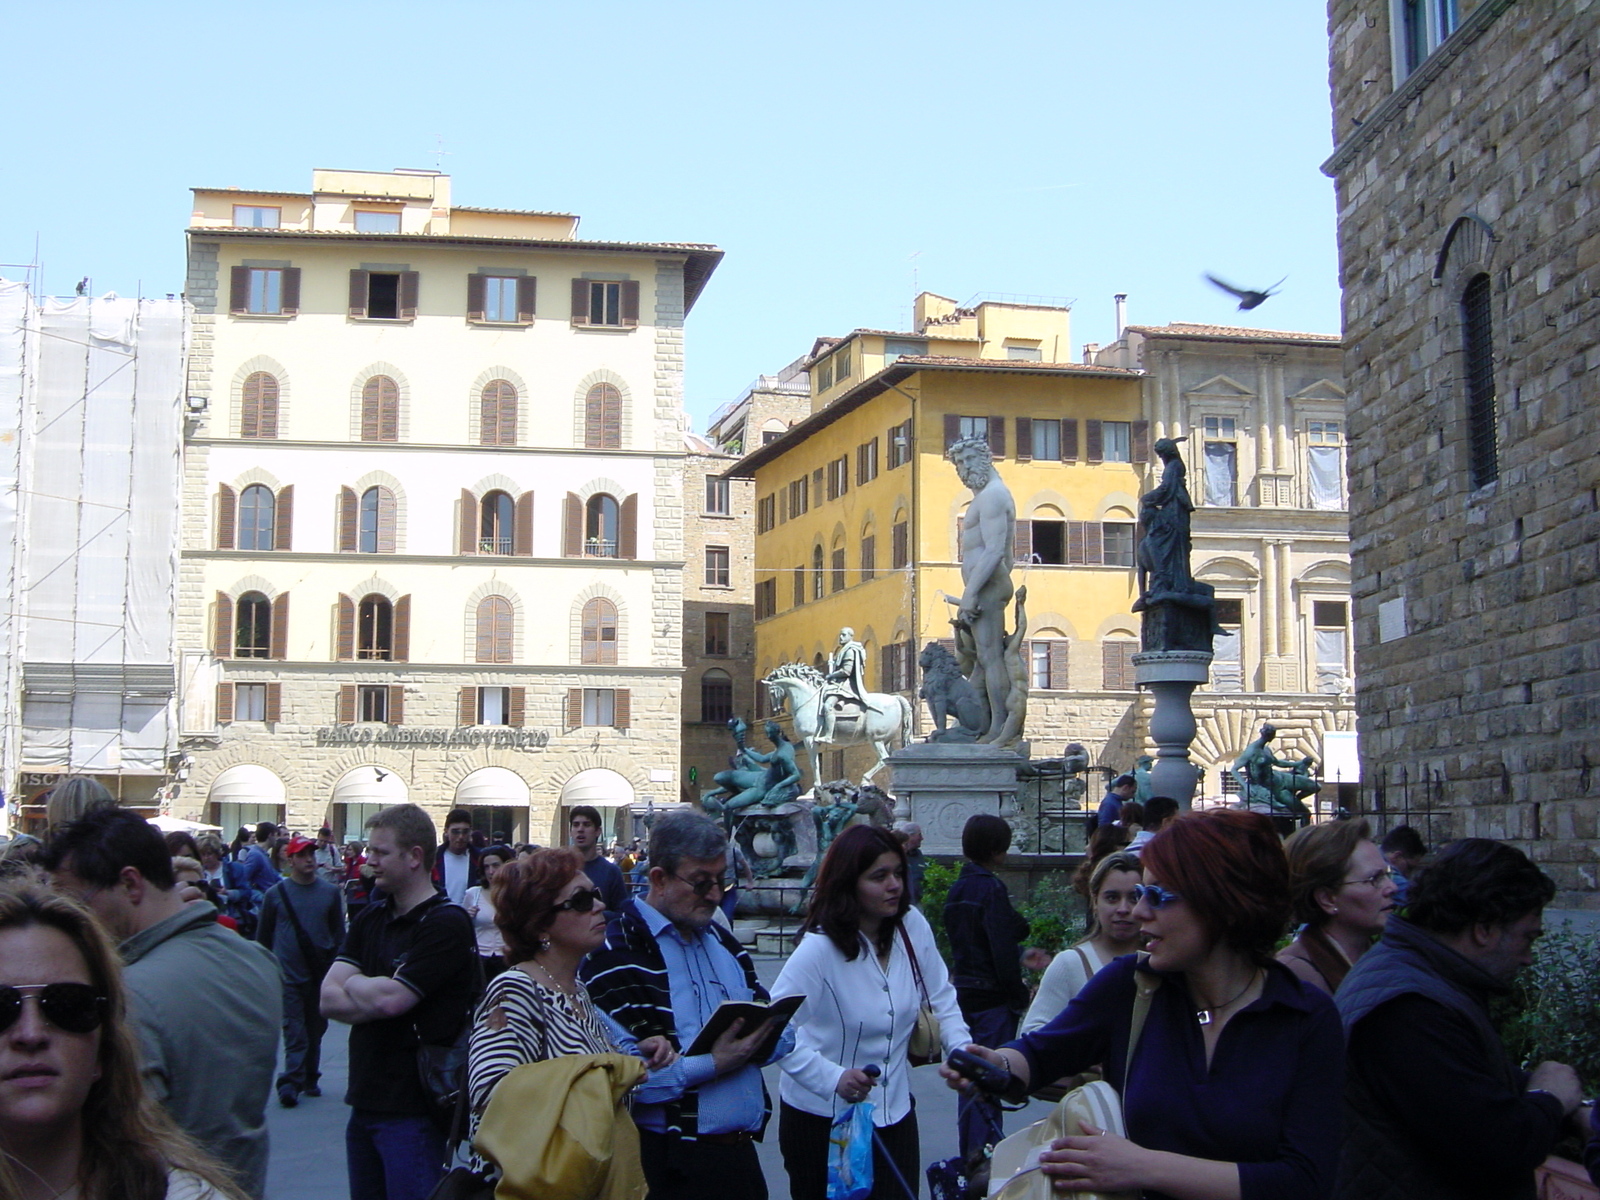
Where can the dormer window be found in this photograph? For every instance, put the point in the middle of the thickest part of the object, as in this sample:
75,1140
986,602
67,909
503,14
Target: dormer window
377,220
254,216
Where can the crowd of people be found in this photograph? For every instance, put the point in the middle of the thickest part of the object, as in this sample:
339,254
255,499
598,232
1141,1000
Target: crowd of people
503,997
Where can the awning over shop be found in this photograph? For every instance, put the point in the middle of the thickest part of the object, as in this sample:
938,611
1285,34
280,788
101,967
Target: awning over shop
493,785
370,785
598,787
247,784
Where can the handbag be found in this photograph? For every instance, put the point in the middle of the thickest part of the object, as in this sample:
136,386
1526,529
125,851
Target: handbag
925,1045
443,1067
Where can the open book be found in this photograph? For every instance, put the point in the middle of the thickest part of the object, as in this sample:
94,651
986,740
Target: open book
753,1013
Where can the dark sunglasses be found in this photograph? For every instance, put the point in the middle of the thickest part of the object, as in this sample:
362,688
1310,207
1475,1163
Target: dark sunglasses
70,1007
700,887
582,901
1153,894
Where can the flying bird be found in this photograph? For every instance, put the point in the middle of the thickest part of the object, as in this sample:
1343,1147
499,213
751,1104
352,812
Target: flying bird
1247,298
382,774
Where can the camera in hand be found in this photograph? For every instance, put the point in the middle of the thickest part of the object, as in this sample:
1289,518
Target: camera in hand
984,1074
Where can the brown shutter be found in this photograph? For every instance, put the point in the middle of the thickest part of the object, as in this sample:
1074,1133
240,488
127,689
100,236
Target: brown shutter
1023,541
283,519
227,516
358,293
1069,440
224,703
572,527
402,629
504,648
580,301
349,509
371,410
470,517
844,474
290,295
628,534
484,622
527,294
952,430
278,639
222,627
622,700
997,437
1094,438
238,289
1075,543
345,643
522,535
397,704
1094,553
386,521
886,668
816,488
518,715
630,302
388,410
408,295
467,700
1024,439
1140,439
267,408
574,708
347,704
1058,663
274,711
477,289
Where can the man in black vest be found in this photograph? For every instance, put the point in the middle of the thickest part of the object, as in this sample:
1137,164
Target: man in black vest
1435,1107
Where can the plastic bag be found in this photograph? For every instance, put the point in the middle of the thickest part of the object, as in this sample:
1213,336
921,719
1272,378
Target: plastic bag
850,1154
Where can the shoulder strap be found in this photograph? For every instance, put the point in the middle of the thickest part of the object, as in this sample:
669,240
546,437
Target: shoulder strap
1146,982
916,967
1083,957
307,949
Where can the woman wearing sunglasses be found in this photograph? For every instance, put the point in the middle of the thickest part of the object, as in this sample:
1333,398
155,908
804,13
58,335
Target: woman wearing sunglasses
74,1117
1236,1081
1342,894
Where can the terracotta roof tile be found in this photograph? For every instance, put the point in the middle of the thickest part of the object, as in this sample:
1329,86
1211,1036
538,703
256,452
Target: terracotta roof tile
1231,332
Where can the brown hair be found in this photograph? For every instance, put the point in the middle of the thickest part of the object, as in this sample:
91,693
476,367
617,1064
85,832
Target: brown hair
834,909
1319,855
524,894
1229,867
1106,839
411,826
1120,860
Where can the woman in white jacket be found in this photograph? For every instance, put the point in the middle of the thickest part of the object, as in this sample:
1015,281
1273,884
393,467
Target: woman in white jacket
857,965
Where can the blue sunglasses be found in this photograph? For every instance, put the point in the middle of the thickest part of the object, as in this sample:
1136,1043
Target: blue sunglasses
1153,894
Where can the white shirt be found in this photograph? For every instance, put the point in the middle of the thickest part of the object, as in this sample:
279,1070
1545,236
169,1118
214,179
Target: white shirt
456,867
856,1013
1063,979
476,901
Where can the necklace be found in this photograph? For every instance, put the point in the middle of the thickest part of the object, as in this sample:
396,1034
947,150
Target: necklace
1205,1015
578,997
71,1186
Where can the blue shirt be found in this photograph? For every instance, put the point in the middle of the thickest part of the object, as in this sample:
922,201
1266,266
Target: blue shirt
700,976
607,876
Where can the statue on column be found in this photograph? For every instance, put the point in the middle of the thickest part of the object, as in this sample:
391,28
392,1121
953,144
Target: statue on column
1178,607
845,682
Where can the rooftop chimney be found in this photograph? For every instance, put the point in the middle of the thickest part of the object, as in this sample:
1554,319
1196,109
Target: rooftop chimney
1121,299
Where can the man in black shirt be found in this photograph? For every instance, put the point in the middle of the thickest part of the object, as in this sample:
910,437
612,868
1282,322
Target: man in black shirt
408,974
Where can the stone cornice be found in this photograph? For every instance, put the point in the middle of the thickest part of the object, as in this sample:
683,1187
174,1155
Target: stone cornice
238,669
498,561
433,447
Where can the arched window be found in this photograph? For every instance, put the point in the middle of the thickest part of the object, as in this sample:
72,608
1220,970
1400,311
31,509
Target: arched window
601,517
497,424
258,415
376,534
602,418
816,573
494,630
257,510
1477,344
375,628
495,524
380,410
599,631
716,696
252,626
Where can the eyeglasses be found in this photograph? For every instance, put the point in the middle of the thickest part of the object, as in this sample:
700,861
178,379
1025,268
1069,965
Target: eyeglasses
702,886
582,901
1373,881
1153,894
70,1007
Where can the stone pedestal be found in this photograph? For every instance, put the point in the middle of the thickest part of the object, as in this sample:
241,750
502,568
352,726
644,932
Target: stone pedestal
1171,677
944,783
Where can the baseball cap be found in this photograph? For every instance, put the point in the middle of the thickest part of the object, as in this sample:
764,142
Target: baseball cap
298,842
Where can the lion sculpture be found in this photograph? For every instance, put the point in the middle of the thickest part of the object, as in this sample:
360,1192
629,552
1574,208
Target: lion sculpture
950,695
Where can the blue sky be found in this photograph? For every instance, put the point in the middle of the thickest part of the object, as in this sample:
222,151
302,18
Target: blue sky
844,155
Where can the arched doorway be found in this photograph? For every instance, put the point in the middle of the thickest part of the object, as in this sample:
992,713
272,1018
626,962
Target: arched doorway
497,798
602,789
357,797
245,795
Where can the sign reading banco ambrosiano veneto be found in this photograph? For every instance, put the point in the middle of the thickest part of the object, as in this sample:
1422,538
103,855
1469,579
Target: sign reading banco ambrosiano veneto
502,736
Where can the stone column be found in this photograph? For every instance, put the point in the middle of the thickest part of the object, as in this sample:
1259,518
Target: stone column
1171,677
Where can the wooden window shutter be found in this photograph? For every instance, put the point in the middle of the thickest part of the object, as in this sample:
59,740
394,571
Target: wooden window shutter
349,508
388,409
1022,541
494,620
224,703
1075,543
1094,438
372,409
1140,442
580,301
952,430
222,627
477,291
628,534
518,715
274,711
622,701
358,293
408,295
844,474
504,642
402,629
467,699
886,668
574,708
602,418
258,406
278,638
397,704
902,545
630,302
527,295
1069,439
572,527
1058,663
1094,544
345,642
470,517
386,520
861,464
997,437
290,292
238,289
283,519
347,704
816,488
1024,439
522,533
498,414
227,516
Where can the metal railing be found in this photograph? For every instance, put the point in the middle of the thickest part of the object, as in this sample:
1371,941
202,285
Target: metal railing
595,548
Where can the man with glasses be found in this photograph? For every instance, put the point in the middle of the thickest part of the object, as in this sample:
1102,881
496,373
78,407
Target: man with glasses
664,969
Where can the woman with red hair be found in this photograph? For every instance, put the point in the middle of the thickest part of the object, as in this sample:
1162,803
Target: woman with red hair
1235,1084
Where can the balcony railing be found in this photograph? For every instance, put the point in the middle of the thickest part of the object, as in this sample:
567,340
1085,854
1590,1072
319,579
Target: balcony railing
595,548
494,545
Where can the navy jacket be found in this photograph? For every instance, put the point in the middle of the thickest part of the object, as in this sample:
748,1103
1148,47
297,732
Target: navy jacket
985,942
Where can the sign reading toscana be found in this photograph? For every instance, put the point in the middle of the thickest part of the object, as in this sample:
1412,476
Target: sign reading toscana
503,736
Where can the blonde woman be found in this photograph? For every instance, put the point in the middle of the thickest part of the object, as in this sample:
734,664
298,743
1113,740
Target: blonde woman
1112,933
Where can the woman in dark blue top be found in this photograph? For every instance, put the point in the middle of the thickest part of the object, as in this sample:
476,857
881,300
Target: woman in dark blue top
1236,1082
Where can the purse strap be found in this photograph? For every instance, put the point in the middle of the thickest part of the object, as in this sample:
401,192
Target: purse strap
916,967
1147,982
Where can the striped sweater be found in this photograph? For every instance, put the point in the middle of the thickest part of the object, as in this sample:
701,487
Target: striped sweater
627,977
